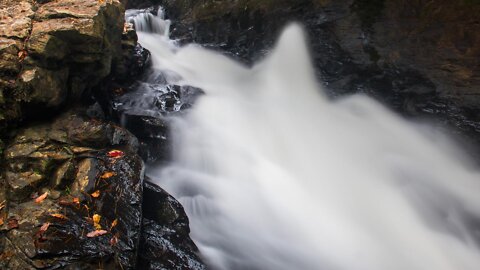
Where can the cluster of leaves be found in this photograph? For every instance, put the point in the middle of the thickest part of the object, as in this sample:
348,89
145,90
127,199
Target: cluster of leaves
95,219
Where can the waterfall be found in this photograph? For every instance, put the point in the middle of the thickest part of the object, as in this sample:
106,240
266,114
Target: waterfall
274,175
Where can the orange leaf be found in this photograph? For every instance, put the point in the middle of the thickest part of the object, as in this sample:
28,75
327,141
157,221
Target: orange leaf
96,233
1,221
42,197
115,154
59,216
114,223
44,227
96,194
76,200
107,175
96,221
22,54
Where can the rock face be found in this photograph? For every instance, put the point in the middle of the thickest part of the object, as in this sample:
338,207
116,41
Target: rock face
71,161
92,180
165,243
71,182
53,51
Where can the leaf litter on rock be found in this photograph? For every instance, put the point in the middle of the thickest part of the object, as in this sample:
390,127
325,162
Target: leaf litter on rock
96,233
96,194
42,197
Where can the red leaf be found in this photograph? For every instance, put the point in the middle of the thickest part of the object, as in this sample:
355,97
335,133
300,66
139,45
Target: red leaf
12,223
115,154
96,233
114,240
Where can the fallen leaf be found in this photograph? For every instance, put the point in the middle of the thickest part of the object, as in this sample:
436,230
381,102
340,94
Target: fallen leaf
1,221
44,227
114,223
115,154
96,194
107,175
119,91
12,223
2,205
114,240
96,233
22,55
76,200
59,216
42,197
96,221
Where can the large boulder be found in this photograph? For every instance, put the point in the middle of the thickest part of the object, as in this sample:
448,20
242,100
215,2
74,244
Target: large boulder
73,196
165,241
92,182
51,52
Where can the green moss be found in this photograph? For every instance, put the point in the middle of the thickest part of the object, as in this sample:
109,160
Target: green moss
368,11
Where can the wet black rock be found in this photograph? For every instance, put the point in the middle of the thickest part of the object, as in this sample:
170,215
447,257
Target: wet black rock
165,242
92,182
70,163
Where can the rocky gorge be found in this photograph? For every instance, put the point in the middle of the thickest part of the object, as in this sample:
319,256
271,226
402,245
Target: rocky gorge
69,157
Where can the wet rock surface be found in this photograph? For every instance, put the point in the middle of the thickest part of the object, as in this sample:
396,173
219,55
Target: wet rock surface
165,243
72,167
71,182
73,197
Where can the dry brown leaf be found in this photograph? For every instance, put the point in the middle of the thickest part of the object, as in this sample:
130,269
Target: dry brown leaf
76,200
1,221
59,216
96,221
42,197
96,233
96,194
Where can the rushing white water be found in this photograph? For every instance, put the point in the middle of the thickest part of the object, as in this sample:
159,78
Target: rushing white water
273,175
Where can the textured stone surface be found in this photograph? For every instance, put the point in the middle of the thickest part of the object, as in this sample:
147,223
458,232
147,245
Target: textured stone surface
49,158
51,52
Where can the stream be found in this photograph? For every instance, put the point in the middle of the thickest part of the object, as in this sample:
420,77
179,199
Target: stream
273,174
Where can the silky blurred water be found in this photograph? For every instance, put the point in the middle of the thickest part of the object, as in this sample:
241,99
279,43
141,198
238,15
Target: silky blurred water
273,175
